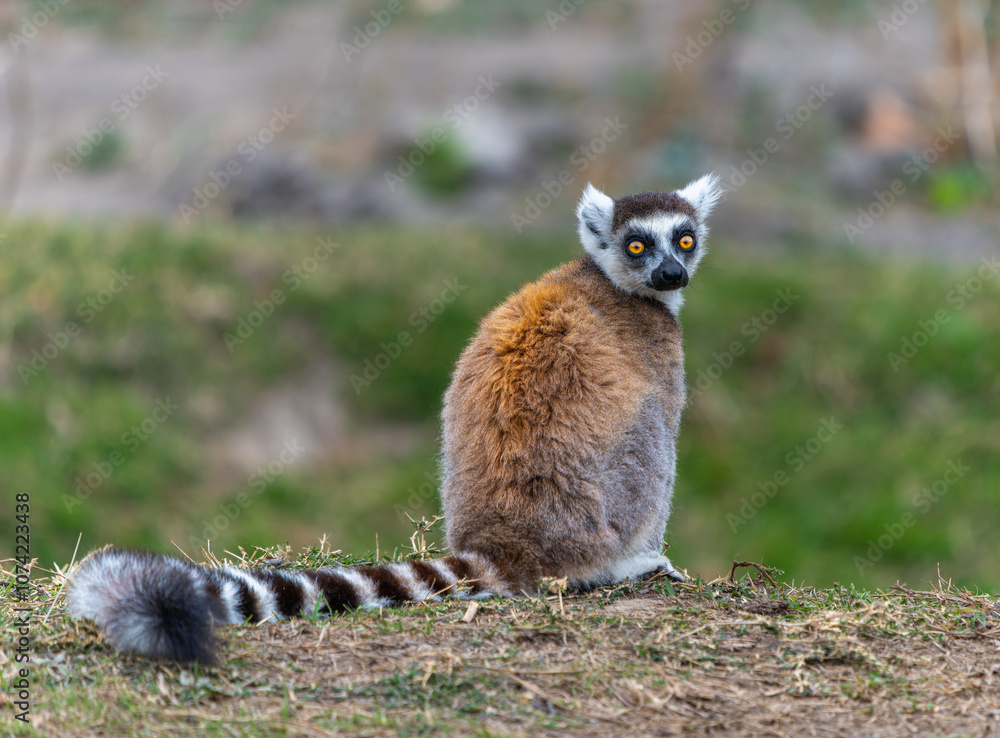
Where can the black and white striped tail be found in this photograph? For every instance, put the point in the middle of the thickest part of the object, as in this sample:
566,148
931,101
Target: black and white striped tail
163,607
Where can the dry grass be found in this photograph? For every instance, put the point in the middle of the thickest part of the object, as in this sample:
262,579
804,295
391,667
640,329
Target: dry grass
744,657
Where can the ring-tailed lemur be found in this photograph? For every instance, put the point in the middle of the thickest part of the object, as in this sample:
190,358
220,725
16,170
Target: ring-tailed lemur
558,457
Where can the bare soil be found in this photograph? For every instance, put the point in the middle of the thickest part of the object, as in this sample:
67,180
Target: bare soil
746,658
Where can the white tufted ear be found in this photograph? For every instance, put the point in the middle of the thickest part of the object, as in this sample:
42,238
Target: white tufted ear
704,194
594,215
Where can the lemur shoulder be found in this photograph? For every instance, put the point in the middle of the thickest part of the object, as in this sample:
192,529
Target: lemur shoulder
559,431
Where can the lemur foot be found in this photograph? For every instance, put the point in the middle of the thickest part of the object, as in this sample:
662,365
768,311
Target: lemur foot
675,575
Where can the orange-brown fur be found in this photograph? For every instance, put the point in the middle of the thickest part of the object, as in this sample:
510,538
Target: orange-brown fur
541,403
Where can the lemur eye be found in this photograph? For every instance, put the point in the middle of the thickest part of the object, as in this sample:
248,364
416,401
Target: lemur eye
636,247
686,242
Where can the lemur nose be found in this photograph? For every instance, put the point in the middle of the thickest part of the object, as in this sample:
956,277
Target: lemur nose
669,275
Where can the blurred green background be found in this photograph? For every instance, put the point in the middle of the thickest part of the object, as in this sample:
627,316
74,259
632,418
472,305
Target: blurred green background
163,337
271,368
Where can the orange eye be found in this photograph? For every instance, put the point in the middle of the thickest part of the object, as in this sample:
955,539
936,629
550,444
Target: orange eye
686,242
636,247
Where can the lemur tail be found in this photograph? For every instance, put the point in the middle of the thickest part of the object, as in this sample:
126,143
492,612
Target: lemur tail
163,607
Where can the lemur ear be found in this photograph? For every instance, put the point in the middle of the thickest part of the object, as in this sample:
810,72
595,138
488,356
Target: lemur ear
704,194
594,215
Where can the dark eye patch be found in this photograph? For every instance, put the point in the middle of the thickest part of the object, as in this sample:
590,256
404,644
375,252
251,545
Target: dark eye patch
639,235
685,226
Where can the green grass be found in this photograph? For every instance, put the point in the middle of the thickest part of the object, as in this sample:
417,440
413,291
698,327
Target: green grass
635,658
164,335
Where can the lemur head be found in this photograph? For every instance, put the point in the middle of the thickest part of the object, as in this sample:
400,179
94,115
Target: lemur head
649,244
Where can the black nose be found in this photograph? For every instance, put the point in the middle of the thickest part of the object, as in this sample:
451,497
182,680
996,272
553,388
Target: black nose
669,275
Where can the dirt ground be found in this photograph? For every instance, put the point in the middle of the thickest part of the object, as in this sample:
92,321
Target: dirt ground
747,659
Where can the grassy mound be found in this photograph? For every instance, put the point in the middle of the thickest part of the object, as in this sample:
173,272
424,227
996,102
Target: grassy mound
748,656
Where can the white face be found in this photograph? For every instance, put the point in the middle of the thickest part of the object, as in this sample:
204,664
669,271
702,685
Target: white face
653,255
649,244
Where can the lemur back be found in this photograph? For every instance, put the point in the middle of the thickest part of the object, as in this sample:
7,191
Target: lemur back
559,432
